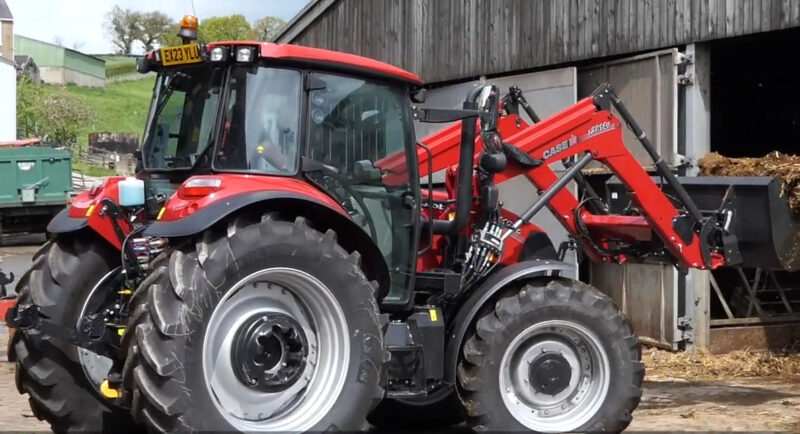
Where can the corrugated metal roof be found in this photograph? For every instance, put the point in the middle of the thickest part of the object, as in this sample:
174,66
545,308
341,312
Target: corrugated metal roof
5,12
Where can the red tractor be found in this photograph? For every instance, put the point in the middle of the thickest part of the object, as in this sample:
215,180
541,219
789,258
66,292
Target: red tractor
278,265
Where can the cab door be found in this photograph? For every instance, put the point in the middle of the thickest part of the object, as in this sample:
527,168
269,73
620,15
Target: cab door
354,126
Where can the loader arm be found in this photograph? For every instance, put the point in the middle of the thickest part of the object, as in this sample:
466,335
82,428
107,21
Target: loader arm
586,128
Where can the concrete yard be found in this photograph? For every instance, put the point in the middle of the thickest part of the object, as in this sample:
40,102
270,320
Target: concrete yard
759,404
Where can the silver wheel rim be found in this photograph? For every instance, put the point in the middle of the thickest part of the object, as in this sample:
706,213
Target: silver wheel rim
579,401
306,300
95,366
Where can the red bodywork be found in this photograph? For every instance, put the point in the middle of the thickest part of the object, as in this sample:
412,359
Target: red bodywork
182,205
89,205
317,56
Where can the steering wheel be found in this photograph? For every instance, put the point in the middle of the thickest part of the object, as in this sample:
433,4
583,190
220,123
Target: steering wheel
268,153
357,196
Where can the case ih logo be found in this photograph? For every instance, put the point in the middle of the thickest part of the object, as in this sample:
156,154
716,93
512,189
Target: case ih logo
560,147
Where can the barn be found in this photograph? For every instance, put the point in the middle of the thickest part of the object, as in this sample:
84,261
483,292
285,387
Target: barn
699,76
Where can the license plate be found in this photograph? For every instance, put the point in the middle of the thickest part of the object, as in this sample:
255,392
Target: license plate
180,55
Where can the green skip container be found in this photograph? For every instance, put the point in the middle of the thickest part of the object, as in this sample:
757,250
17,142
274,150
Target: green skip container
35,183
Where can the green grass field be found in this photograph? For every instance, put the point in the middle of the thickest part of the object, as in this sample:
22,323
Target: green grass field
119,107
119,65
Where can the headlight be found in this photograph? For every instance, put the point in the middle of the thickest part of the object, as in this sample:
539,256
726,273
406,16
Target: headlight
218,54
244,54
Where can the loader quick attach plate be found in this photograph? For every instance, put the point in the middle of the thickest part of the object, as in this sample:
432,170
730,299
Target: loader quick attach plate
767,230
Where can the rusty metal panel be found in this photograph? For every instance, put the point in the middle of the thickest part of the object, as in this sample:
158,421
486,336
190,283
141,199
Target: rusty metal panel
648,295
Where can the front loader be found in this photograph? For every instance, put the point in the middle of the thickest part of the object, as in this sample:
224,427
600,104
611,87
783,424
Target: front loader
283,261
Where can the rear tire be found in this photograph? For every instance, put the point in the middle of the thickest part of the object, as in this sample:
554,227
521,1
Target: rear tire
64,272
554,356
205,305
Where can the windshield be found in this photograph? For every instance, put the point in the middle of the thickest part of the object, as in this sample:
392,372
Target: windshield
261,122
182,114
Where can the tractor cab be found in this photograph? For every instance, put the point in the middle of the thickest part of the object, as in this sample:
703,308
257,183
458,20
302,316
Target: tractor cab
247,117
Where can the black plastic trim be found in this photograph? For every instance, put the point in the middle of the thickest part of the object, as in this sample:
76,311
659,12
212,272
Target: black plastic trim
62,223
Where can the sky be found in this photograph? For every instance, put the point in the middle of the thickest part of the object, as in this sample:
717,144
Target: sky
80,23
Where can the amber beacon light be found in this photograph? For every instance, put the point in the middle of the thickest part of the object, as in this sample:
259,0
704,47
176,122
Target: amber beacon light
188,29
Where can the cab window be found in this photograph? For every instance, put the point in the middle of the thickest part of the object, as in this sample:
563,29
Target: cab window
261,121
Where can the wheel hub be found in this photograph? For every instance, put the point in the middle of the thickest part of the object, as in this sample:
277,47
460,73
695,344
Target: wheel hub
550,374
269,352
554,375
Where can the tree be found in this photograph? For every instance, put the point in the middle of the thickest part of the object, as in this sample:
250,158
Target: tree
152,27
230,28
29,94
123,27
51,111
267,28
170,36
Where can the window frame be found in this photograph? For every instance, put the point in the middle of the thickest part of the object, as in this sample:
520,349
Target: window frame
148,127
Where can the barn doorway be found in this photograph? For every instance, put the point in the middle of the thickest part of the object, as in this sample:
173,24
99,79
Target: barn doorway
755,94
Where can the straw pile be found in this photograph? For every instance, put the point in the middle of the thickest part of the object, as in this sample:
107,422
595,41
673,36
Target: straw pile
784,166
702,365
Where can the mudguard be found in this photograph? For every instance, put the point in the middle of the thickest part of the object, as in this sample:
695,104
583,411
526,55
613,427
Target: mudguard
63,223
350,236
496,283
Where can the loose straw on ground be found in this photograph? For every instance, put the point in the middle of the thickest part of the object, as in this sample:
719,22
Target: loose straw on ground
702,365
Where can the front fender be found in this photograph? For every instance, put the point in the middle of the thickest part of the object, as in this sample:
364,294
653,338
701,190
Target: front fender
468,311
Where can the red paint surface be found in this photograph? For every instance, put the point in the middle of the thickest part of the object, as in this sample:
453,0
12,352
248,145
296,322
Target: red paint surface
308,54
178,207
99,221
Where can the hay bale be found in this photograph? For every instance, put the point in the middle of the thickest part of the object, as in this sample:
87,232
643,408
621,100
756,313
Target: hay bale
784,166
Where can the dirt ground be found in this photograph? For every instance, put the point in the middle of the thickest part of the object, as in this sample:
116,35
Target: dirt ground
668,404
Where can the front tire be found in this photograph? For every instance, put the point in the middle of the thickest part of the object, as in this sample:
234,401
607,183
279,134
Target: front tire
554,356
262,326
58,377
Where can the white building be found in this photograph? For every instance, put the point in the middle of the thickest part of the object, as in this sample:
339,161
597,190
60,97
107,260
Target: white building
8,100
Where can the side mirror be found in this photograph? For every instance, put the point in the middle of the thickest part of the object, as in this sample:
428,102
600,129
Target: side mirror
143,65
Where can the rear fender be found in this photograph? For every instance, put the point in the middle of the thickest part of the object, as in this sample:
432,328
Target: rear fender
487,292
321,216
